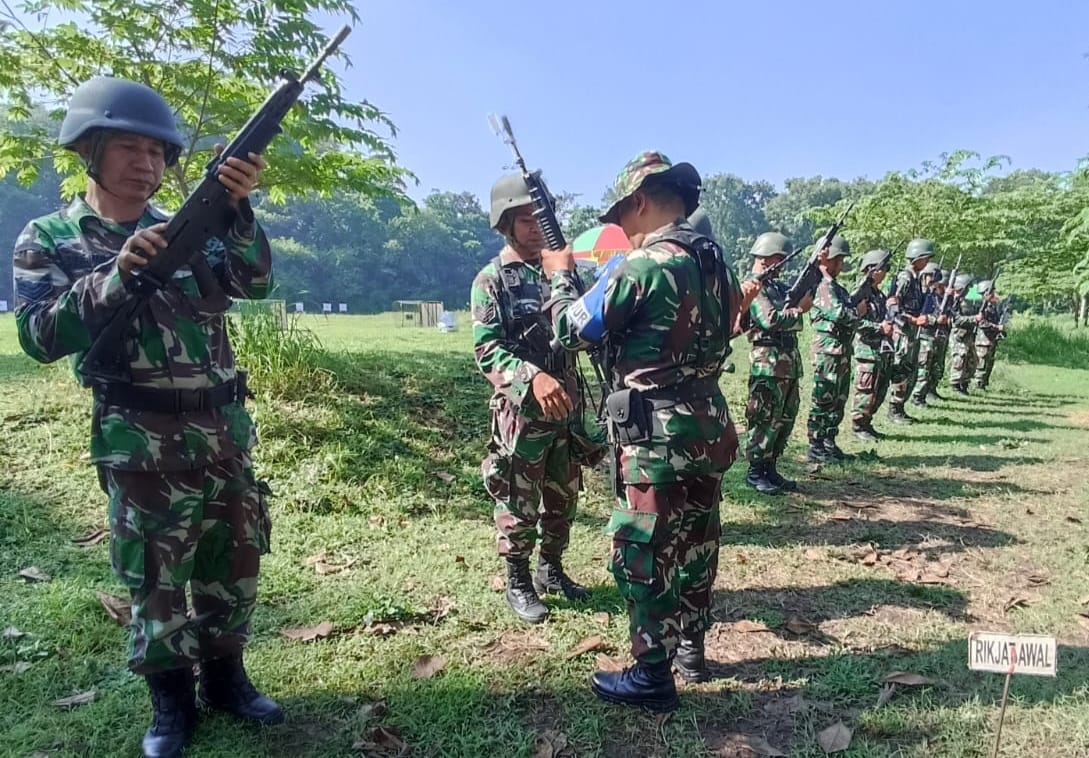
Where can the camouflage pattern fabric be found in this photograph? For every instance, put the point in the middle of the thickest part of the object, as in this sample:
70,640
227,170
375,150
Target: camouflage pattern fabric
931,338
937,363
665,560
873,360
528,471
927,354
775,366
834,322
905,364
963,338
67,286
205,528
986,342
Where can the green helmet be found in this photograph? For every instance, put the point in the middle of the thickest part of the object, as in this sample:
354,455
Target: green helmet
873,259
509,191
919,248
985,287
839,248
962,282
932,270
701,222
771,243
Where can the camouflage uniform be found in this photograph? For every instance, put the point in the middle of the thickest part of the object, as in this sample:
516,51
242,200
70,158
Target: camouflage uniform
963,341
668,335
775,366
905,365
987,336
928,344
834,321
185,507
873,363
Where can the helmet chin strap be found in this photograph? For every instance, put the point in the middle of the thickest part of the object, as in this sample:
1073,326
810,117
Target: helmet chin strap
98,144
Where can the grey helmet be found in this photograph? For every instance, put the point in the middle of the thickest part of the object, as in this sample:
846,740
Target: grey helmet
919,248
839,247
873,259
106,102
985,287
701,222
509,191
935,273
962,282
771,243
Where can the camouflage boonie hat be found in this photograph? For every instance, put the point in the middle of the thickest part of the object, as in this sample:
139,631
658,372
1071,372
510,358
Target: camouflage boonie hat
648,164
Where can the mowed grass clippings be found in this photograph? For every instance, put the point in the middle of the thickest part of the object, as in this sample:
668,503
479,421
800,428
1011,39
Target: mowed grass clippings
384,557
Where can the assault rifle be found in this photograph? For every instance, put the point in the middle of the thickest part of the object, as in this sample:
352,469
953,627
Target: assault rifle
773,270
204,215
865,287
544,207
810,276
943,308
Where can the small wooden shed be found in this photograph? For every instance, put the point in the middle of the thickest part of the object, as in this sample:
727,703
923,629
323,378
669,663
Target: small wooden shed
418,312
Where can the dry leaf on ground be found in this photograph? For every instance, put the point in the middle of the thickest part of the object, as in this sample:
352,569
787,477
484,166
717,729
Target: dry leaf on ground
798,626
1015,602
587,645
908,678
117,608
745,746
91,538
749,627
21,667
375,710
383,628
445,476
441,607
309,633
497,583
11,633
426,666
602,618
34,574
382,740
813,554
550,744
870,558
609,663
76,700
835,739
885,695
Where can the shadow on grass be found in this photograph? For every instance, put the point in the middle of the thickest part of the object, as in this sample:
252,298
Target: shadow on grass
973,462
967,439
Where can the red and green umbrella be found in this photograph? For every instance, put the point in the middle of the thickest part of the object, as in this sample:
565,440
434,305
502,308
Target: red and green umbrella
597,245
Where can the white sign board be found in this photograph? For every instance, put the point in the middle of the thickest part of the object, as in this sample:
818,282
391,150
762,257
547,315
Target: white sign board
1032,654
326,307
3,306
342,307
299,307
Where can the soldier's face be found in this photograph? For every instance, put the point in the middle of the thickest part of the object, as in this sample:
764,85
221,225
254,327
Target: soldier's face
131,165
763,264
525,230
879,276
832,265
919,264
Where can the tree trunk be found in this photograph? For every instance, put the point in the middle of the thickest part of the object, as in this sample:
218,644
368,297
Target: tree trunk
1083,311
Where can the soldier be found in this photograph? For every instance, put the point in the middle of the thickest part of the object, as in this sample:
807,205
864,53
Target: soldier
905,305
834,321
775,366
989,331
929,348
964,323
667,308
530,469
873,351
172,443
941,344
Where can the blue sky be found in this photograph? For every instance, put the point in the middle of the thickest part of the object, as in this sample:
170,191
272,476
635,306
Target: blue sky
766,90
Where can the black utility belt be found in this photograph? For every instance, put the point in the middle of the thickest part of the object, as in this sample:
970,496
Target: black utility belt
173,402
629,409
784,342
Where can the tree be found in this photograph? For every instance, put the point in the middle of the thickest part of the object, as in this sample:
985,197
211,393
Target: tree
788,212
215,62
736,210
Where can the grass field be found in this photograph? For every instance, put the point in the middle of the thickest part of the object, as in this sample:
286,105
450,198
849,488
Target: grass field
973,519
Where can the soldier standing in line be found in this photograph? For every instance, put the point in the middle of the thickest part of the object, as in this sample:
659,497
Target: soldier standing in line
964,323
929,350
530,469
989,331
775,368
667,309
873,351
834,321
905,304
172,443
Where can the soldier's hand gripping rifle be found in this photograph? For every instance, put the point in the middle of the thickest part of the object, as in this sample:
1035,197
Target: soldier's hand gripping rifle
865,287
947,296
544,207
773,270
810,277
204,215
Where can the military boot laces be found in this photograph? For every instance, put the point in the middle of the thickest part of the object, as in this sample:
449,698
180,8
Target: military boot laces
691,661
818,453
758,479
225,686
551,578
865,432
772,472
174,706
521,595
898,416
645,685
836,454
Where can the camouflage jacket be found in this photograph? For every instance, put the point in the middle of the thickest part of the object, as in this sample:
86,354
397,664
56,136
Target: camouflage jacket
964,319
931,303
908,290
773,331
663,329
67,286
834,319
870,341
987,331
511,332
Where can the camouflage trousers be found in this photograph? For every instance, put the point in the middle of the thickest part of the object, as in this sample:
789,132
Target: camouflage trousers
905,369
831,388
984,363
937,364
963,363
206,528
928,352
665,559
770,413
871,386
535,484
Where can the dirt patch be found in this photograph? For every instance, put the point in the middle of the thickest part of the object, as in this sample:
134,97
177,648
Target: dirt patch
1079,418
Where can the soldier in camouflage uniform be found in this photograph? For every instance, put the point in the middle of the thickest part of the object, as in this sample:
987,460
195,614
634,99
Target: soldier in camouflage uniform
941,345
929,335
964,323
905,305
666,310
989,331
775,366
834,322
873,351
530,469
172,442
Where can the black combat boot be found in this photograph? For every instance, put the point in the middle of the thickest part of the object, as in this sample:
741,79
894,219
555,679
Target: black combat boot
898,416
961,389
224,686
919,402
551,578
521,596
932,396
864,431
645,685
773,475
758,479
818,453
833,450
690,660
175,713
